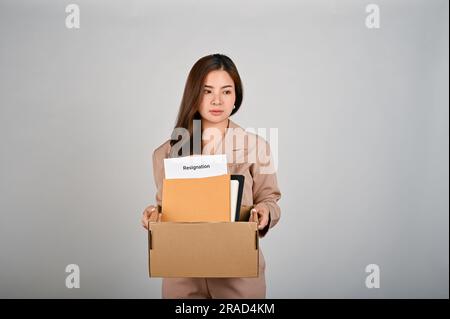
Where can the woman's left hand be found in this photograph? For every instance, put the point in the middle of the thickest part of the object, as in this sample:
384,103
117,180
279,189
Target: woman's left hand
262,213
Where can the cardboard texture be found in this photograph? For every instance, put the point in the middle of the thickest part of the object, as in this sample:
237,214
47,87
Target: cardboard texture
203,249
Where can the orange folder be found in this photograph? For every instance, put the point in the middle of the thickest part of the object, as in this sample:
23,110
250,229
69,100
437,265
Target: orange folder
205,199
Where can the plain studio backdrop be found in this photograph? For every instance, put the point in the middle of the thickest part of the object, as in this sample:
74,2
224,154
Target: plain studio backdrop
362,118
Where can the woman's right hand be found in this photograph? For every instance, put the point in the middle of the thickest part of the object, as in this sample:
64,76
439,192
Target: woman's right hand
146,215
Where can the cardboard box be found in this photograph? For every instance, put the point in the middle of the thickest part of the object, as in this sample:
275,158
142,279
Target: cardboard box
203,249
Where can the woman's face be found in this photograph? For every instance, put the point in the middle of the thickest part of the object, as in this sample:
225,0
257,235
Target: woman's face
218,97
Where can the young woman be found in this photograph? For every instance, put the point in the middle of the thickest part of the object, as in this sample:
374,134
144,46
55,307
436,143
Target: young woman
213,92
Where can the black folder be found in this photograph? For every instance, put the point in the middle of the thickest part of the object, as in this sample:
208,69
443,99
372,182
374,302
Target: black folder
241,180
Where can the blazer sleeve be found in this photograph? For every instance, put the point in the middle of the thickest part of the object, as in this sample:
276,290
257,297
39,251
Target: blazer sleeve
265,187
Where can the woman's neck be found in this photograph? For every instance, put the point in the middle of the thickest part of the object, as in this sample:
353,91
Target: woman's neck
222,127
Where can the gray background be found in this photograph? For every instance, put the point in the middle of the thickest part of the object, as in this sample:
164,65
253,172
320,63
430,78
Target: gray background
363,139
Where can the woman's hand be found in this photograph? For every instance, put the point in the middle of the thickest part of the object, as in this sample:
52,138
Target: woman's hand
146,215
262,214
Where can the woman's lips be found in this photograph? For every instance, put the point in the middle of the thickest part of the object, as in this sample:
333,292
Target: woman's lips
216,112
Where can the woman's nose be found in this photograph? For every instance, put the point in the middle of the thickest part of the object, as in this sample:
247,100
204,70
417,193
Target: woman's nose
216,99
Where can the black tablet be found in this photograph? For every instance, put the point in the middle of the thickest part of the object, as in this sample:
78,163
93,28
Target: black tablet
240,179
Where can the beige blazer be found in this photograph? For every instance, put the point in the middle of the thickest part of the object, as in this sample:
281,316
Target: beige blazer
253,159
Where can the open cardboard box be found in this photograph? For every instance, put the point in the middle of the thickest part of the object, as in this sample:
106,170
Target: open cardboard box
204,249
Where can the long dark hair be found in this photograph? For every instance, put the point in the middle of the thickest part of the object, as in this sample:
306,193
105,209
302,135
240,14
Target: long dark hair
193,89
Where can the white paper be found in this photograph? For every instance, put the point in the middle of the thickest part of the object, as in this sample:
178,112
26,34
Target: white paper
195,166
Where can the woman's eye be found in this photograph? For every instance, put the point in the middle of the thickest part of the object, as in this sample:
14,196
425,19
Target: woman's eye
227,92
207,91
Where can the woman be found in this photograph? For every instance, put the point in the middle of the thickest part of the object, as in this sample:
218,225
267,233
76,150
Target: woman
213,92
